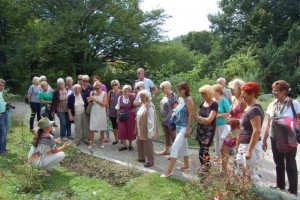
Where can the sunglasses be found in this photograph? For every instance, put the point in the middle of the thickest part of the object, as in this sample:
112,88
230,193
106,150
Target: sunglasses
96,88
202,93
85,81
138,73
138,88
114,85
275,91
80,79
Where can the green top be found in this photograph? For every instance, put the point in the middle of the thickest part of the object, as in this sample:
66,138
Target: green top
2,104
46,97
223,107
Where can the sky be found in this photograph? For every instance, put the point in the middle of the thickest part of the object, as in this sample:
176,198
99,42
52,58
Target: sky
187,15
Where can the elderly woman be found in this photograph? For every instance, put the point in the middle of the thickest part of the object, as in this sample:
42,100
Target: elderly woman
112,100
98,121
45,98
282,107
237,108
146,129
250,145
139,86
60,107
126,124
183,117
77,104
206,117
70,87
35,104
223,113
167,104
86,87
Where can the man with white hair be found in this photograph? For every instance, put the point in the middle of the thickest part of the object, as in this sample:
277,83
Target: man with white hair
3,128
226,92
148,84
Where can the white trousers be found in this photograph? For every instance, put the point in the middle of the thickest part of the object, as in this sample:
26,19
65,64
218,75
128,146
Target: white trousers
218,139
180,143
253,162
49,161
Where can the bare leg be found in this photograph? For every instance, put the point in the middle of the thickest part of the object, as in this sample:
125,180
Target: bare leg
170,167
225,157
92,133
115,131
101,137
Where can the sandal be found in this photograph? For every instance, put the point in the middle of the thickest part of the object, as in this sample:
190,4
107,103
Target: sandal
131,148
164,153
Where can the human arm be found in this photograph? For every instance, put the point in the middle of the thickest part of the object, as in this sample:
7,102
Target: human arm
150,121
64,146
190,109
71,118
226,109
155,90
266,135
256,126
101,103
137,102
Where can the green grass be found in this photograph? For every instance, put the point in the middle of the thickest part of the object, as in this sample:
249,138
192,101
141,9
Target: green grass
16,176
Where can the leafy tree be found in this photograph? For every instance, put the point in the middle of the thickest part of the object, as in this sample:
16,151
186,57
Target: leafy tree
199,41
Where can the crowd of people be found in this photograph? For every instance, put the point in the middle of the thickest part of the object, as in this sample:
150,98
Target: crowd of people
230,118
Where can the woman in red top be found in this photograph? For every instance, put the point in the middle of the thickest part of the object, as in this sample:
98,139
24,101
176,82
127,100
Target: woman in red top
236,110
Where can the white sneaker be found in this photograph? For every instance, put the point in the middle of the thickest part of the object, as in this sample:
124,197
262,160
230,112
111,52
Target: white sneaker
101,146
71,137
90,146
64,139
166,176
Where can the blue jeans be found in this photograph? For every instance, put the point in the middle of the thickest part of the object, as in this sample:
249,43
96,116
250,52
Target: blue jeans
3,132
65,125
35,108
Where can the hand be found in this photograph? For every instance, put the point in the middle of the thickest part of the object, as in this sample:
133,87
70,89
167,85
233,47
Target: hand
187,133
264,146
58,140
66,145
248,155
71,118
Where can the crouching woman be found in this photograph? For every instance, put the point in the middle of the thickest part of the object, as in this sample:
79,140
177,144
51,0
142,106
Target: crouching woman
44,152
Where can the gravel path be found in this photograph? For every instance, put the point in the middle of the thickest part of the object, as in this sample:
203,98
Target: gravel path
110,152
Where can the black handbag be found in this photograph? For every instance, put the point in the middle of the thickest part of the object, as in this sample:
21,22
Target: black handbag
123,116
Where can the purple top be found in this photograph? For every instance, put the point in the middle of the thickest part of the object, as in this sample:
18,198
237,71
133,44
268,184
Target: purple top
113,101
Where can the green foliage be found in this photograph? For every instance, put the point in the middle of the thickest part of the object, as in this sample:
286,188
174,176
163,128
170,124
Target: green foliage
199,41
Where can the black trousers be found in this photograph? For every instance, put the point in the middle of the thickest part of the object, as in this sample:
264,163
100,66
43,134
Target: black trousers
285,161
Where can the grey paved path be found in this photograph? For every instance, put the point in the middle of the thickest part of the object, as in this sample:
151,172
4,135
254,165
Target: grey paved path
110,152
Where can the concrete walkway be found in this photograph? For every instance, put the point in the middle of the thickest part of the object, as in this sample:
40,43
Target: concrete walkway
128,158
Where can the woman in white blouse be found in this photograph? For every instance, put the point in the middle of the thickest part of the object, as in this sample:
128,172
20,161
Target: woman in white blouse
146,128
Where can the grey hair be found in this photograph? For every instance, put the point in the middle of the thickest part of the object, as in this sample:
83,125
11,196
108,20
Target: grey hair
146,93
2,81
69,78
221,79
115,81
165,84
140,84
36,80
235,84
60,81
86,77
127,87
43,78
141,70
77,86
79,76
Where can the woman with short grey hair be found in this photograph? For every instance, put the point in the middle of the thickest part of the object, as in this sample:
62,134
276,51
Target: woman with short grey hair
146,129
35,104
167,104
70,87
60,107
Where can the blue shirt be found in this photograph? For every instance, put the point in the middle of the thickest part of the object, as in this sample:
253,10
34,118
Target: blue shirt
34,91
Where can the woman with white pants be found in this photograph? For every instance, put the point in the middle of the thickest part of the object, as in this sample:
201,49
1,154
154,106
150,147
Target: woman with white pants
183,116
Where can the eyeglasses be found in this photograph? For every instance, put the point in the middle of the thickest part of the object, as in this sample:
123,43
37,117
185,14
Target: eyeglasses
85,81
80,79
138,73
113,85
202,93
96,88
138,88
275,91
219,82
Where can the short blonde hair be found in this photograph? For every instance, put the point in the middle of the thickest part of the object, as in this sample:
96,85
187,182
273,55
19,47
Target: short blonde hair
165,84
97,83
44,83
127,87
218,88
85,77
35,80
208,90
235,84
115,81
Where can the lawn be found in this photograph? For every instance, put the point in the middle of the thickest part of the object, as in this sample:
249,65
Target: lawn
20,181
